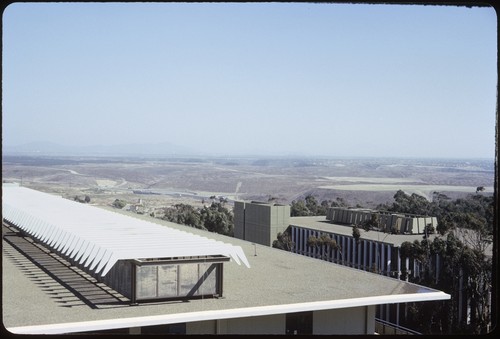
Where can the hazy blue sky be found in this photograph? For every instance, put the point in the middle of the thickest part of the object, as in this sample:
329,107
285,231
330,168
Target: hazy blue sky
270,78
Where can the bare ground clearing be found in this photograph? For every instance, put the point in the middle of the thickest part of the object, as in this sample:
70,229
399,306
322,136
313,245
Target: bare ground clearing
162,182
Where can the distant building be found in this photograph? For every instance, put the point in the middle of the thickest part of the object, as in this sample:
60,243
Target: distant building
388,222
260,222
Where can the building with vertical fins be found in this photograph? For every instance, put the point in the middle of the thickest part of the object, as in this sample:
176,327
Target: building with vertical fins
396,223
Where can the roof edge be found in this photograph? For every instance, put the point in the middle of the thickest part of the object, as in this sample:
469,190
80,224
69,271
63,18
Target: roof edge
109,324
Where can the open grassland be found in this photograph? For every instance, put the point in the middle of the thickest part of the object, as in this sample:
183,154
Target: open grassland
162,181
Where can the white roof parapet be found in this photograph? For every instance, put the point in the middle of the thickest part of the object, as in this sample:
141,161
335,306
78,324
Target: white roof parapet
97,238
243,312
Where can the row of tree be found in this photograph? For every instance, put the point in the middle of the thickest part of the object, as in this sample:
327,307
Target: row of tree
465,226
462,271
214,218
310,206
474,212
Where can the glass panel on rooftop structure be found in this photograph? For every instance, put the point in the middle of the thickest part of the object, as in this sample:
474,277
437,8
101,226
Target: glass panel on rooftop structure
188,278
167,281
147,281
208,276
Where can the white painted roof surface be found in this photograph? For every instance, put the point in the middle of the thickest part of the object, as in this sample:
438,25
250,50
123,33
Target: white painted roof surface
97,238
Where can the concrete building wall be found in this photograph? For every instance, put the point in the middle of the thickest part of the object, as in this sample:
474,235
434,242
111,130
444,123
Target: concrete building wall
260,222
271,324
349,321
280,220
257,223
119,278
202,327
346,321
239,219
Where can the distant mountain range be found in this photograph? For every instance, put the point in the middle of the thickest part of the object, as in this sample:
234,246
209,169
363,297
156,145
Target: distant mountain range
50,148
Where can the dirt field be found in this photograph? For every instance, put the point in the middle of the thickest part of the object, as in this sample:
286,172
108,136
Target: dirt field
163,182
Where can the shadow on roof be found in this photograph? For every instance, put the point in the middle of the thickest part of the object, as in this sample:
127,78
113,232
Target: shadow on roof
64,283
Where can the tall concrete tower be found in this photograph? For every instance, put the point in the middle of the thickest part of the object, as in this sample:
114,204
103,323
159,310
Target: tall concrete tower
260,222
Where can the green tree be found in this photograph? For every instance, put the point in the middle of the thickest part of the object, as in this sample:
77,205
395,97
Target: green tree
217,218
404,203
214,218
284,241
465,226
308,207
459,263
356,234
372,223
119,203
323,244
299,209
339,202
183,214
311,204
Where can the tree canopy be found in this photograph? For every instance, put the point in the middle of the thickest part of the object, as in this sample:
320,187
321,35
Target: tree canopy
466,228
473,212
214,218
309,206
458,261
284,241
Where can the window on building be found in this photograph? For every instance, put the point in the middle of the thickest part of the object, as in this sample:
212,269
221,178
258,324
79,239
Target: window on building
299,323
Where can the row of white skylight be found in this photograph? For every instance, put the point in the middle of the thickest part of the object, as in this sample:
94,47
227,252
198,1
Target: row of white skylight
96,238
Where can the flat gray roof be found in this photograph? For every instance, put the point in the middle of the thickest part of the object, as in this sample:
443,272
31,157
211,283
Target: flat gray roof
276,282
320,223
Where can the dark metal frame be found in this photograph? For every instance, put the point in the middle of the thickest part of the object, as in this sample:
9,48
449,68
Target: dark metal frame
217,259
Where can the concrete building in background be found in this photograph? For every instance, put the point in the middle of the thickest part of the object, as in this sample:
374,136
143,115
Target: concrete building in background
48,291
388,222
260,222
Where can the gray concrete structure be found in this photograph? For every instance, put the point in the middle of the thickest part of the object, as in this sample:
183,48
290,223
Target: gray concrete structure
389,222
260,222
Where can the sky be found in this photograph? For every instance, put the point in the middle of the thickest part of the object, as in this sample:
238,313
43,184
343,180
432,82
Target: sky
253,78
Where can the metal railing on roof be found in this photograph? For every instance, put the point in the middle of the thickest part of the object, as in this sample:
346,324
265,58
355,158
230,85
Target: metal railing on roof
385,327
